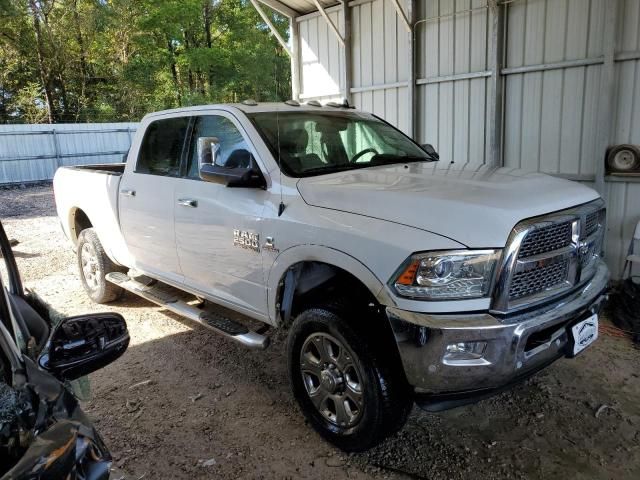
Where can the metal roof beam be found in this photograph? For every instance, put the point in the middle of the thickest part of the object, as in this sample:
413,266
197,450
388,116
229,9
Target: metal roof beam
402,15
280,8
329,22
272,27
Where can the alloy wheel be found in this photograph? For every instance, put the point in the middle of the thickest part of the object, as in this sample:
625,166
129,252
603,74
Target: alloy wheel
333,380
90,266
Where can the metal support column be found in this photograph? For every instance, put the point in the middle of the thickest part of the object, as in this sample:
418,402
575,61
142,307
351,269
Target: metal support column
411,92
346,79
493,152
607,91
56,148
294,36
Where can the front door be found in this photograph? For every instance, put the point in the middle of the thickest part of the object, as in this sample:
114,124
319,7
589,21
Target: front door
218,229
146,199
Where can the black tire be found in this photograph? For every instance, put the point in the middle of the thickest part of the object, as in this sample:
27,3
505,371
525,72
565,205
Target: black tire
90,251
386,399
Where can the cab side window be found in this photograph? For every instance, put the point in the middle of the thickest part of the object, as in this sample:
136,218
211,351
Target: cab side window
161,147
232,151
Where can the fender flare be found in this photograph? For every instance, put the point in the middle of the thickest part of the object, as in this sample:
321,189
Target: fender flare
100,228
322,254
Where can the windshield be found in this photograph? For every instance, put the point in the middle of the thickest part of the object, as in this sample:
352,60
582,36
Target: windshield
315,143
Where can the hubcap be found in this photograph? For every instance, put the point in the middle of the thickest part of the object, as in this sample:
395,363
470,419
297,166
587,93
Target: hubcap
90,267
333,380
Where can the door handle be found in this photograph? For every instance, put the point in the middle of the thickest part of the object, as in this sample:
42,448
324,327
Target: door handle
187,202
128,193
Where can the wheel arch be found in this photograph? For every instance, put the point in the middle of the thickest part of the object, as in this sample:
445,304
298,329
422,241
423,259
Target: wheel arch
77,221
312,266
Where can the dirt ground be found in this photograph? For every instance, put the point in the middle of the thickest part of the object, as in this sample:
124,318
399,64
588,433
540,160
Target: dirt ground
185,403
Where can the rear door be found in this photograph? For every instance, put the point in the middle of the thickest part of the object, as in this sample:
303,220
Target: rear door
210,219
146,198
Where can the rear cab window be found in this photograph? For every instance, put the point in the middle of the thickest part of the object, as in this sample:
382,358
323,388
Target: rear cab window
161,147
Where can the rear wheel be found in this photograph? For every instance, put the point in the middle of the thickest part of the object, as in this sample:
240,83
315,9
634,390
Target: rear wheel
348,393
94,264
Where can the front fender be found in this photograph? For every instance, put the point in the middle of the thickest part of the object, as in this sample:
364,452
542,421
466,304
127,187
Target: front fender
324,254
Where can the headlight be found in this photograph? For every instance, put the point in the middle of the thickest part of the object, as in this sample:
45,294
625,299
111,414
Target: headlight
447,275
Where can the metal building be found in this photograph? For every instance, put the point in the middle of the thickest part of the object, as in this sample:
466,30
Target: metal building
544,85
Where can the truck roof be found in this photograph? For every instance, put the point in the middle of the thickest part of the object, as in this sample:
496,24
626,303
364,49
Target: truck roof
257,107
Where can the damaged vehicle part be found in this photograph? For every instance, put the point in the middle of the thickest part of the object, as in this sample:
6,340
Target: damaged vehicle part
43,431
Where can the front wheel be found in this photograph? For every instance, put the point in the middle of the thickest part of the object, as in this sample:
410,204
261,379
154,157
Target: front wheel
94,264
346,391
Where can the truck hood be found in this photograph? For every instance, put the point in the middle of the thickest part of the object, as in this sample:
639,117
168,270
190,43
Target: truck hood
475,206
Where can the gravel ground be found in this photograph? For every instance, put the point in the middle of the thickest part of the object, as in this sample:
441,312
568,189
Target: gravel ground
185,403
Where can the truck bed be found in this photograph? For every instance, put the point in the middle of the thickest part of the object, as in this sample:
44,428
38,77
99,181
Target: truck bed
92,190
108,168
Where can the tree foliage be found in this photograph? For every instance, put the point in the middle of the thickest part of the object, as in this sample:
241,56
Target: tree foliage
115,60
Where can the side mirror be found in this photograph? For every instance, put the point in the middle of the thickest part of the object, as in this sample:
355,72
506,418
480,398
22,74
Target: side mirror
83,344
427,147
235,174
207,149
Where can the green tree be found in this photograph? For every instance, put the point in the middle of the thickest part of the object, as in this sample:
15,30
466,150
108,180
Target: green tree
103,60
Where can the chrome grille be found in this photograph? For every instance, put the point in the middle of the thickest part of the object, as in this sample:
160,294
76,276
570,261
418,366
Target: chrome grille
549,255
546,239
537,280
592,222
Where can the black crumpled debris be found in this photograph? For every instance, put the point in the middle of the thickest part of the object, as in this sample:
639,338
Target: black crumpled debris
625,306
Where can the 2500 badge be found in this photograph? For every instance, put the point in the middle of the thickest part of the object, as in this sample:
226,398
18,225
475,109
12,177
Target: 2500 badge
246,239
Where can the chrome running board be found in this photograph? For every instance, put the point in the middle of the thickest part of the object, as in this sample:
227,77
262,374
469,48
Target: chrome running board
170,299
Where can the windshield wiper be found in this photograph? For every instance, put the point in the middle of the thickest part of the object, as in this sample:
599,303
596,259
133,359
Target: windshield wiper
392,160
332,168
413,158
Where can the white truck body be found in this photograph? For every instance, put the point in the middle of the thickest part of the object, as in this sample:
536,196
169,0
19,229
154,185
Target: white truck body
366,222
347,219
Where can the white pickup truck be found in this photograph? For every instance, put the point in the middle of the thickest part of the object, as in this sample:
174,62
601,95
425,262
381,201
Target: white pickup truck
399,279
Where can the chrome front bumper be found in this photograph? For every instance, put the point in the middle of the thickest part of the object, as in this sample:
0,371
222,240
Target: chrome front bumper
516,346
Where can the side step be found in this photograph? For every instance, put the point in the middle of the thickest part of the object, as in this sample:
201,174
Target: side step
169,298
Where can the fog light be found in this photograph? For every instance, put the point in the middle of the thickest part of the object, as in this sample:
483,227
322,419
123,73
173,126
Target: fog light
465,350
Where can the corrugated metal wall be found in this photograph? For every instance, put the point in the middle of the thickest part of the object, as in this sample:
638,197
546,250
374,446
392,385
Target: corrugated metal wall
553,60
379,64
623,198
379,82
452,71
31,153
551,108
321,58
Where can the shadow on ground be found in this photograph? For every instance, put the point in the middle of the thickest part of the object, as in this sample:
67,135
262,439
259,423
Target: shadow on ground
204,397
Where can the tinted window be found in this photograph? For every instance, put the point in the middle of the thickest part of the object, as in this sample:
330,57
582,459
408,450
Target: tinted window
232,152
162,147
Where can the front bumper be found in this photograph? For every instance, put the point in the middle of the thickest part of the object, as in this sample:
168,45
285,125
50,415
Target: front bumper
516,346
